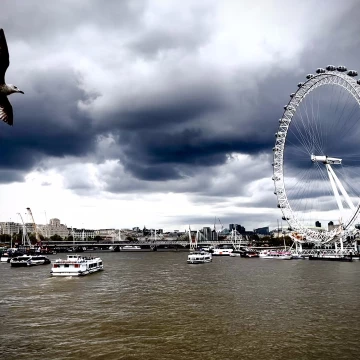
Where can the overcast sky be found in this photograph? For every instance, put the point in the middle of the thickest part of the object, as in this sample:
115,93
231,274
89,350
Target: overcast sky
157,113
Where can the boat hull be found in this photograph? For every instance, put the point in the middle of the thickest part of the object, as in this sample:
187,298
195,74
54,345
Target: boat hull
70,273
131,248
280,257
76,265
199,258
21,264
330,258
198,261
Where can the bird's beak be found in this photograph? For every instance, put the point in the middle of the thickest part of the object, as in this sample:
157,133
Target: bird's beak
21,92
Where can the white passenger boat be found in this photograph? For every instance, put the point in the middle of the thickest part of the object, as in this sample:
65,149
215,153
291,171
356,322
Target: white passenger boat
130,248
76,265
236,253
29,260
281,255
7,255
199,257
222,252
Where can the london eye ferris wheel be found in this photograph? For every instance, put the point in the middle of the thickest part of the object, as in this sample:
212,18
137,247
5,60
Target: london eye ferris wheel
316,166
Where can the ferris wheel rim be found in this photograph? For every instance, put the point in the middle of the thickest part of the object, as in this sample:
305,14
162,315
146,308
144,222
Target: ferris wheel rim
334,77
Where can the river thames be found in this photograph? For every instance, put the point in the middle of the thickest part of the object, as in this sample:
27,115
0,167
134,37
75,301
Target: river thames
153,305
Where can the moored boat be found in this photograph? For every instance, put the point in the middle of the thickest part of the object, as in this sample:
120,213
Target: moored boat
331,257
76,265
280,255
297,256
7,255
130,248
250,254
199,257
236,253
222,251
29,260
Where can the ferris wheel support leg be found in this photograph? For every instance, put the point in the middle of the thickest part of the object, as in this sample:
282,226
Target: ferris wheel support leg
342,189
298,247
334,188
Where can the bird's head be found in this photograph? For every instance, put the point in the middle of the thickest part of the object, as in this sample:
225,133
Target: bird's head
13,89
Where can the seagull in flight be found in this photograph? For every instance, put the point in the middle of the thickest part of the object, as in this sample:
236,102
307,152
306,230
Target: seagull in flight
6,111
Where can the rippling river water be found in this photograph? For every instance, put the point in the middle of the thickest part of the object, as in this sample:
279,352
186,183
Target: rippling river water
153,305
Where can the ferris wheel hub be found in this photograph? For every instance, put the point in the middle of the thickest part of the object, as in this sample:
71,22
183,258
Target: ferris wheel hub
326,159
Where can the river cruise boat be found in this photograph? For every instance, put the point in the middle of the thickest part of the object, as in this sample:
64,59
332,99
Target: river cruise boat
222,251
280,255
199,257
76,265
331,257
7,255
236,253
130,248
29,260
250,254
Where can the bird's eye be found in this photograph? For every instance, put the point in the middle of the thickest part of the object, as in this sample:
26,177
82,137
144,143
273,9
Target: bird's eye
15,87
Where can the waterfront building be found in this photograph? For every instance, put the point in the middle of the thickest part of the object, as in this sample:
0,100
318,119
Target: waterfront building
207,233
82,234
10,228
104,233
53,228
214,235
262,231
240,229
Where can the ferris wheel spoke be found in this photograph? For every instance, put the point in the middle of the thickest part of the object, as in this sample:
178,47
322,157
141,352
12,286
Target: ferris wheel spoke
310,129
300,134
315,126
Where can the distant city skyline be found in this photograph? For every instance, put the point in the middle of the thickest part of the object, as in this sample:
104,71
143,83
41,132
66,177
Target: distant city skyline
219,226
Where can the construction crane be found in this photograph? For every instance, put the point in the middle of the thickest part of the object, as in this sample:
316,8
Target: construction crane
24,234
38,240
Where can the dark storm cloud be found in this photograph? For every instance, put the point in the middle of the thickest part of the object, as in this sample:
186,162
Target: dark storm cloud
196,143
185,129
41,20
165,112
46,125
9,176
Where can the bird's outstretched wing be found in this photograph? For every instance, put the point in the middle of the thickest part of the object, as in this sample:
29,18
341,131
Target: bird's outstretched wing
4,56
6,111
